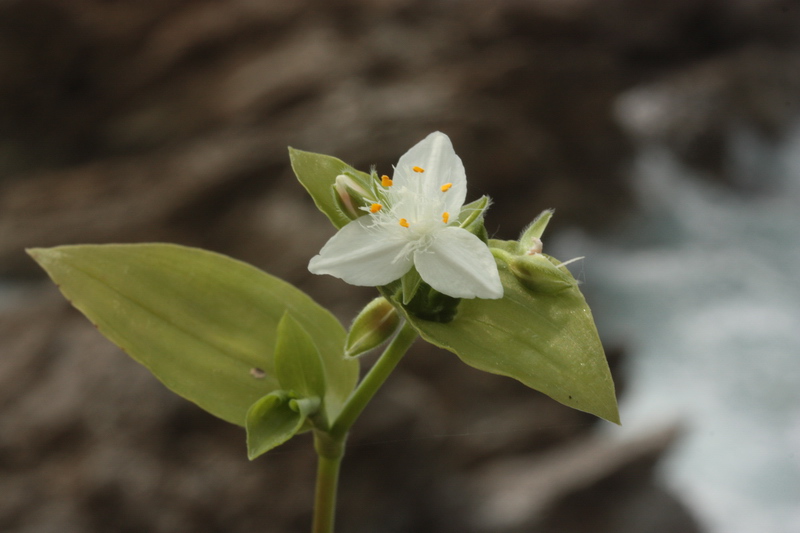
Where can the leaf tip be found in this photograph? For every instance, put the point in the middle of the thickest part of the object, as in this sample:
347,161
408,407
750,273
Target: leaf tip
252,454
43,256
35,253
609,412
293,153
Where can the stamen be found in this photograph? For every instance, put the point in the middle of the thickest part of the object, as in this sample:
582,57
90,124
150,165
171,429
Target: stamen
446,187
386,181
445,217
404,222
418,169
374,208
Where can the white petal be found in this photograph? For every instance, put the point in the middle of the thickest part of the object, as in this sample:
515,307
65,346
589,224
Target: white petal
435,155
363,254
459,264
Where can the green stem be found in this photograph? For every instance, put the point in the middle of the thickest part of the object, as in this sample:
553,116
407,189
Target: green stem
330,445
373,380
329,459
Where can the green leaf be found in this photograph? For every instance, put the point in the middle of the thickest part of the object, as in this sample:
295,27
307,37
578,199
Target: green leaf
203,323
274,419
317,173
548,341
298,364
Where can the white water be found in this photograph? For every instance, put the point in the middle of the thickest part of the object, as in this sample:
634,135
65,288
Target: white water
702,288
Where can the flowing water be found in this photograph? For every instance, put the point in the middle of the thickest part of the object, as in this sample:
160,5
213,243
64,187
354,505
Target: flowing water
702,288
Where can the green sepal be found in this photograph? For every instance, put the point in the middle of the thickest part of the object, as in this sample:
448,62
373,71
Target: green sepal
317,173
276,418
427,303
535,230
409,284
471,217
546,340
510,247
298,365
204,324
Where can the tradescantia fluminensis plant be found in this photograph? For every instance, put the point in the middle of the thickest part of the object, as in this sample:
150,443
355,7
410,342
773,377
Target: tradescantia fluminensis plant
257,352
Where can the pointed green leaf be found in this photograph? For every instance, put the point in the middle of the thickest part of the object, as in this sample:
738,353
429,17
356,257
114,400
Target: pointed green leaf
317,173
298,365
203,323
548,341
274,419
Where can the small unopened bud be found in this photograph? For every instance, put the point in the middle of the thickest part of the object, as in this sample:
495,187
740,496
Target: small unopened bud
351,196
524,258
372,327
539,273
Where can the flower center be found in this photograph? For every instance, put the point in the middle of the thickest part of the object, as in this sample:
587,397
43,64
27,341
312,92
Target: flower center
417,212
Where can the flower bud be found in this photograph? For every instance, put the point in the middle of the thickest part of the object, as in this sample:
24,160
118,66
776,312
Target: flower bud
534,270
372,327
352,195
540,273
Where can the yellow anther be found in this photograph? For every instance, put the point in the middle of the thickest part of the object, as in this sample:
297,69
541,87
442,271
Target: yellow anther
446,187
374,208
386,181
404,222
445,217
417,169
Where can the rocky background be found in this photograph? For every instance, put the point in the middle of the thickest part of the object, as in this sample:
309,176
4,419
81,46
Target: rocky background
168,120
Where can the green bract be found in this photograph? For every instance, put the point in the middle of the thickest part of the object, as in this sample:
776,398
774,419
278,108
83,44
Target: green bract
298,365
204,324
546,340
276,418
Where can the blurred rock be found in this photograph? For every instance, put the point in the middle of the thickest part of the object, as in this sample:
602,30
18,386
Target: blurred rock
579,486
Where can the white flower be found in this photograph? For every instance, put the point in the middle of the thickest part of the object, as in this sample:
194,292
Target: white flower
415,223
